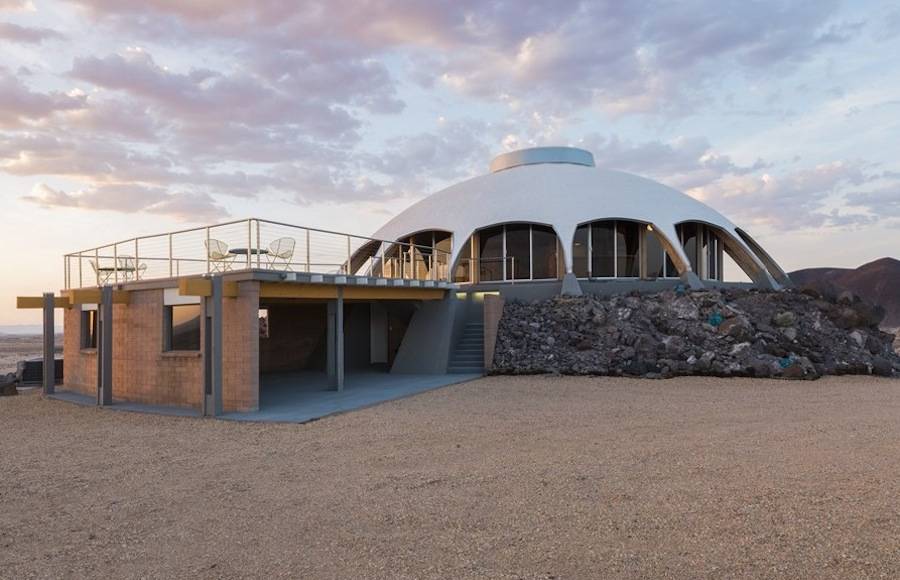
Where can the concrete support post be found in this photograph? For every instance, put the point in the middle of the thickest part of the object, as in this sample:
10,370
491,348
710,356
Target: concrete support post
335,341
49,345
214,402
339,339
331,331
105,348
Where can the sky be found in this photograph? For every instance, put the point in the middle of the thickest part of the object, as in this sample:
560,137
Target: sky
123,117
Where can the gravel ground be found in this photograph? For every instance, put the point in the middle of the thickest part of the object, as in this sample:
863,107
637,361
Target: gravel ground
506,477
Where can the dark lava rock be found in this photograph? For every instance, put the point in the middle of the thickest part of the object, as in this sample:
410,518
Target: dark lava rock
788,334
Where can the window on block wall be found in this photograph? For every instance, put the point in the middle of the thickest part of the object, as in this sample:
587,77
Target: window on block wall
89,327
182,327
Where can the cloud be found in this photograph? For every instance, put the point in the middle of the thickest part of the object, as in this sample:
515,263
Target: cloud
203,95
20,105
798,199
882,202
15,33
17,5
130,198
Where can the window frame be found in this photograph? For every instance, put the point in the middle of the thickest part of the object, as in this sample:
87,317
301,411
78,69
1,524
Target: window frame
90,331
168,327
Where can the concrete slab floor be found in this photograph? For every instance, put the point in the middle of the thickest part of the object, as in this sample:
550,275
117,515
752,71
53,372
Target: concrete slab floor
81,399
305,396
302,396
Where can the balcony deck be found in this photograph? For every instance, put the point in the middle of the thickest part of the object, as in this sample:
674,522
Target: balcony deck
259,247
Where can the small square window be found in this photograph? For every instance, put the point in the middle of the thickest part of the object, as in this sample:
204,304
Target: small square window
182,327
89,329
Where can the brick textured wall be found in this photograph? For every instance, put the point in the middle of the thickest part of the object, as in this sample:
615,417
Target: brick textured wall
240,349
144,373
80,370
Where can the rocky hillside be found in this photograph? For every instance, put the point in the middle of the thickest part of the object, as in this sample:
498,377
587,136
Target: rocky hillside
790,334
877,282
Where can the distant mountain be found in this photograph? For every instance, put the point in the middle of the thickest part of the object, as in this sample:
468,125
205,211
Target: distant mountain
877,282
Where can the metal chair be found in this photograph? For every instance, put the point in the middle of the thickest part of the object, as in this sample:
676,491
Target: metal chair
217,253
280,253
103,274
130,269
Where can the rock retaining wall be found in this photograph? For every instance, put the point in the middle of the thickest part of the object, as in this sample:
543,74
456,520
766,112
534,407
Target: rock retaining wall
753,333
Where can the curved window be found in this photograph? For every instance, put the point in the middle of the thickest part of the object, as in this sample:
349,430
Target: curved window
704,248
421,256
509,252
616,249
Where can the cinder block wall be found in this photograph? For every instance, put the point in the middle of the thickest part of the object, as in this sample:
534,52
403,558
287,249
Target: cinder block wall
80,370
144,373
240,349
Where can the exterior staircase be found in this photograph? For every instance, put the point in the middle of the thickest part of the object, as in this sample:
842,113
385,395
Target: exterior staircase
468,355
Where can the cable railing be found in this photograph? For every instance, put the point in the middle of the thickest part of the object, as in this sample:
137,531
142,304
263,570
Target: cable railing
252,244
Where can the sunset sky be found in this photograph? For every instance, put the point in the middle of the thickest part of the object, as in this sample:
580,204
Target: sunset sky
125,117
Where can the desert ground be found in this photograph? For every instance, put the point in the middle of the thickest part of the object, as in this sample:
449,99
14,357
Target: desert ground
504,477
14,348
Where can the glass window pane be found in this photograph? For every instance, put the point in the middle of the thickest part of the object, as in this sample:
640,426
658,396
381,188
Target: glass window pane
518,252
627,249
712,255
671,270
544,246
463,264
603,252
89,329
688,235
654,251
490,253
185,327
580,252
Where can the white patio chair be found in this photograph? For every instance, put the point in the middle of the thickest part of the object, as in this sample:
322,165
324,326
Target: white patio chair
103,274
281,251
219,258
130,269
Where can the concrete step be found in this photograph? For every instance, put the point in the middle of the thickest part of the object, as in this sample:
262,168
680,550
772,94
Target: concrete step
460,361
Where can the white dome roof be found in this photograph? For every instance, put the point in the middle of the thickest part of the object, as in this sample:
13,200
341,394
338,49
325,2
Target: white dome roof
558,193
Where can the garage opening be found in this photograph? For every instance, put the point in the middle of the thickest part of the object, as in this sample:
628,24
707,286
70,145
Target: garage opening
294,339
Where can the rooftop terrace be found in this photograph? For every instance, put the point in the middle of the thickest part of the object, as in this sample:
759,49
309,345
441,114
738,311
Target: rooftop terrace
252,244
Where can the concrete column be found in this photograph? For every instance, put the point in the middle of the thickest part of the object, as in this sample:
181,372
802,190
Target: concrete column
330,333
214,399
49,345
339,340
105,348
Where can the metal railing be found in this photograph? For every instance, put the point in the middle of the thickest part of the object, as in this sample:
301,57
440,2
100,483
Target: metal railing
252,244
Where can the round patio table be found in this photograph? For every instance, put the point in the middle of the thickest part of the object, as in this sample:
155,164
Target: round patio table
244,251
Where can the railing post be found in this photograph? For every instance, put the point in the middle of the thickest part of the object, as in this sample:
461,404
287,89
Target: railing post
116,262
349,255
80,282
207,249
97,264
136,258
259,246
308,265
170,255
249,244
